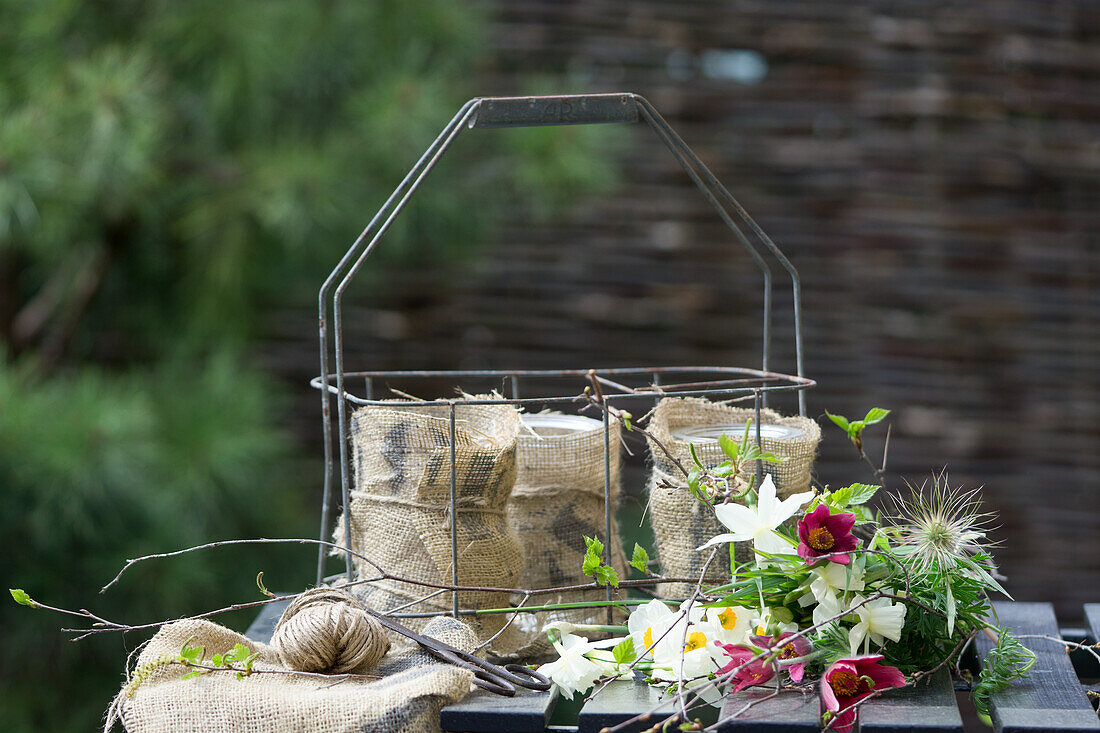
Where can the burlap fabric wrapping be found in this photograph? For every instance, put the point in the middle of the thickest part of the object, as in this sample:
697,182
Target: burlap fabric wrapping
558,500
409,697
400,506
681,522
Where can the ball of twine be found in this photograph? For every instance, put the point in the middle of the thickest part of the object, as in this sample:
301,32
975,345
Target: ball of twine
327,630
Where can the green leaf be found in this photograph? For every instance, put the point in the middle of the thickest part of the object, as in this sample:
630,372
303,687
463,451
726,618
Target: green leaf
851,496
606,575
874,415
723,469
840,420
694,457
640,559
218,660
193,654
20,596
192,674
729,447
240,653
861,493
840,497
260,585
950,603
624,651
593,556
626,417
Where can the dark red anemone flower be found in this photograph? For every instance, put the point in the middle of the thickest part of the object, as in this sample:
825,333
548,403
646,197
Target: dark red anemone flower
753,670
821,533
797,647
847,681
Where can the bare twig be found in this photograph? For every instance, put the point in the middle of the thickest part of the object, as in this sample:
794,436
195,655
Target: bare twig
1090,649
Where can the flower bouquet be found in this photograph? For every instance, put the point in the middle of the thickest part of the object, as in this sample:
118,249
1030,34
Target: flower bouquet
847,601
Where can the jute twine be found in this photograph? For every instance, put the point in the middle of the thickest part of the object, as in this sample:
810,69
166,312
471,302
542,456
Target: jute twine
401,511
326,630
558,500
681,522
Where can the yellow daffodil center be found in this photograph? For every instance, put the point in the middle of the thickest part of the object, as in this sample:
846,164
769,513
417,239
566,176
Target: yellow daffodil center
844,683
820,539
760,631
728,619
697,640
647,638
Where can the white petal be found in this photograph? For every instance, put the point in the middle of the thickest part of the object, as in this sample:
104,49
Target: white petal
772,543
888,621
721,539
792,504
855,636
767,506
738,518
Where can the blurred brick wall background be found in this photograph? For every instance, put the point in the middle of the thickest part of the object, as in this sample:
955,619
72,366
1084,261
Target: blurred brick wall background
933,171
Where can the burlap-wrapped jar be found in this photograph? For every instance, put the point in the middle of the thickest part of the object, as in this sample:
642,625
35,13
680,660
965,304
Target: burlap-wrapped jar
681,522
400,506
557,501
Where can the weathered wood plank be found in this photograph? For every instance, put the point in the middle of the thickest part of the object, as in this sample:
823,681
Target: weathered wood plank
263,626
1051,698
785,713
620,702
1086,664
1092,620
925,707
484,712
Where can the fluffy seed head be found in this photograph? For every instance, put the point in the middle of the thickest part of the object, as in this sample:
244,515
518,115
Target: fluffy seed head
939,524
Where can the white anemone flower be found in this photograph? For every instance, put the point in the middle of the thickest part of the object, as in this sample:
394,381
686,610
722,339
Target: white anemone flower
573,671
758,523
878,620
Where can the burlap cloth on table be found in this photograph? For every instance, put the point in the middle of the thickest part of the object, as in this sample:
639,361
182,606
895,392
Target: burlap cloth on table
400,508
409,697
558,500
681,522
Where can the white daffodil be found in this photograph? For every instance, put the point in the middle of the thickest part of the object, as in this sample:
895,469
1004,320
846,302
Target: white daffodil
731,624
767,621
684,652
758,524
832,580
647,623
829,607
878,620
672,662
573,671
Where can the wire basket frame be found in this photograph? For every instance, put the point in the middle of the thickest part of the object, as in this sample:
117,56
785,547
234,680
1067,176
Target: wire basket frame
616,385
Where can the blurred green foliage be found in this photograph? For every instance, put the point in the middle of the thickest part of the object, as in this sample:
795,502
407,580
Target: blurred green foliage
168,170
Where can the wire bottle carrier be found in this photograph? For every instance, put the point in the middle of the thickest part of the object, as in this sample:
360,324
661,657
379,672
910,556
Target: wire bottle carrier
618,386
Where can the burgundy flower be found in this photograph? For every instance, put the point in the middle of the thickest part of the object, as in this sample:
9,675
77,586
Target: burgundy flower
821,533
847,681
755,672
799,646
